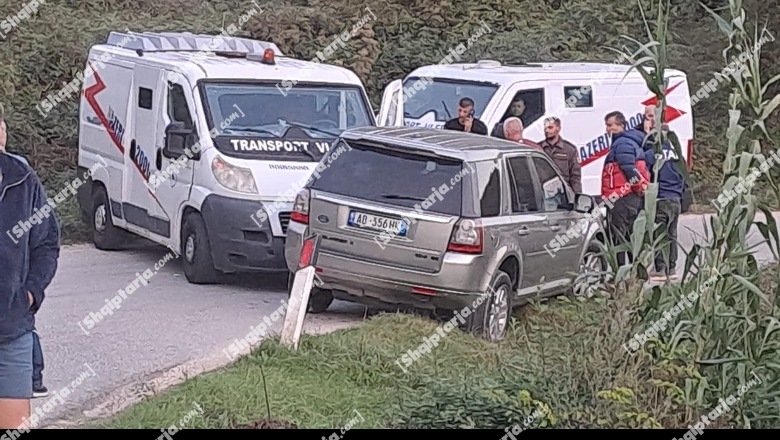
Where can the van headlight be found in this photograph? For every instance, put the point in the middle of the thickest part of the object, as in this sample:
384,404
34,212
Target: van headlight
233,177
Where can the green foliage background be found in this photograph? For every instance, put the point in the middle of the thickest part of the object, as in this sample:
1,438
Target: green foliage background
46,51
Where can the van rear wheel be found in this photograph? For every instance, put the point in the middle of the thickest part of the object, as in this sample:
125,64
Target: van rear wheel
105,235
196,252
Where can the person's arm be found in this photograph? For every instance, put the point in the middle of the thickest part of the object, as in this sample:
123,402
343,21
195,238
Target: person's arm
575,171
479,127
650,161
625,156
44,249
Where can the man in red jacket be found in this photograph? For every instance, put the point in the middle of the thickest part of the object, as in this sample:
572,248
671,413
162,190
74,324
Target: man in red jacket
625,174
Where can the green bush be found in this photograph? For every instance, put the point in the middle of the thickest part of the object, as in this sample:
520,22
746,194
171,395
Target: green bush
47,50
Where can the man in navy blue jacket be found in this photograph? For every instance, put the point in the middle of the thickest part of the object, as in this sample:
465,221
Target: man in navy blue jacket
670,190
28,258
623,179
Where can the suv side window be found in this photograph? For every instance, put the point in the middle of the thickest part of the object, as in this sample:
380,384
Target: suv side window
553,187
521,186
177,105
489,187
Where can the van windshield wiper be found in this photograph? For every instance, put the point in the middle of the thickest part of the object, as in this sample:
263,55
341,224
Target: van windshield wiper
400,197
309,127
251,130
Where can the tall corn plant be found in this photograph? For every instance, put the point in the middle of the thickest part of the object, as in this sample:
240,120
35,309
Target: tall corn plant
731,327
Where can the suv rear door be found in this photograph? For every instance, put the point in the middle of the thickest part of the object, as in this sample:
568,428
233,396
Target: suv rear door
372,187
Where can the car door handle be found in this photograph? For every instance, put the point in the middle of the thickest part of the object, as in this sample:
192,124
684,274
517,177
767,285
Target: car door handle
523,231
555,227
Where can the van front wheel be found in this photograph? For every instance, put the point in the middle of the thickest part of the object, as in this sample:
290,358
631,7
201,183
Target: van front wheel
196,252
105,235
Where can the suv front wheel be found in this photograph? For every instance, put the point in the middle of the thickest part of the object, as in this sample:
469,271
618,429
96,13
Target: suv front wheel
490,320
592,273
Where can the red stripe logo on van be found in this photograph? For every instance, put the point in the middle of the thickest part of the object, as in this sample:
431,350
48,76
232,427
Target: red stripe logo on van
89,95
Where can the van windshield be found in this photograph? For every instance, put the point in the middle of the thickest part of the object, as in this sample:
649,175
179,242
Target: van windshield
403,179
436,103
258,121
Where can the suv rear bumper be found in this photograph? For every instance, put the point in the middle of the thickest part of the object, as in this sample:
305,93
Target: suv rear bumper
461,279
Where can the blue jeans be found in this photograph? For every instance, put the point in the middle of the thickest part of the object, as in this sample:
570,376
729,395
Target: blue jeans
16,368
37,358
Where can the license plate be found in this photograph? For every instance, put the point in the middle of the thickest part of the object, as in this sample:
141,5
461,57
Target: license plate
377,223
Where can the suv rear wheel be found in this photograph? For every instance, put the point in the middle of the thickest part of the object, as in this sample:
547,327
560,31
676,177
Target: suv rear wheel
491,319
319,299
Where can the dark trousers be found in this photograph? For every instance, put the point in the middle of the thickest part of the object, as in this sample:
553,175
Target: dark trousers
667,213
37,360
621,219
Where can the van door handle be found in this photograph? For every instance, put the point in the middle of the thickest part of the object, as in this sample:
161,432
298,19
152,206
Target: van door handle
523,231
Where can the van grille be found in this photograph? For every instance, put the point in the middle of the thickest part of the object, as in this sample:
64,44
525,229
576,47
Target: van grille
284,220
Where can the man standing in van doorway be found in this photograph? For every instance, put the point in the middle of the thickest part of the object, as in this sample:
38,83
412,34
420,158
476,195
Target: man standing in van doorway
466,121
623,179
563,153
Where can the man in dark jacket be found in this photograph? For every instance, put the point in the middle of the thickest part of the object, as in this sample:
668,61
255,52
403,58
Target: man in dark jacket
563,153
466,121
623,179
28,258
670,190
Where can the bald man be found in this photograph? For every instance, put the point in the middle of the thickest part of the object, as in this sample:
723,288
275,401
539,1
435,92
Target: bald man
513,131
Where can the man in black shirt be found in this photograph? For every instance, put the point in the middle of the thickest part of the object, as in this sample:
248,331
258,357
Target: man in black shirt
466,120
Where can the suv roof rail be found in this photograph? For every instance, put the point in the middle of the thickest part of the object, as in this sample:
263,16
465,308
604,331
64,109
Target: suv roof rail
187,42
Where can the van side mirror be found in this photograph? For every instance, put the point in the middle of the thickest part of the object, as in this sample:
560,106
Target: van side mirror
177,139
584,203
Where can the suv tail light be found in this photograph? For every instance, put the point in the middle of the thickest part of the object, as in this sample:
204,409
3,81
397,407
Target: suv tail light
467,237
300,212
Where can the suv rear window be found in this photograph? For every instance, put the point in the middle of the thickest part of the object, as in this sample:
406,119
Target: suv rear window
395,178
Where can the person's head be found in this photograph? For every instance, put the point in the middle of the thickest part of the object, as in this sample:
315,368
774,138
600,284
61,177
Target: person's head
517,108
513,129
552,127
465,107
3,132
649,117
615,122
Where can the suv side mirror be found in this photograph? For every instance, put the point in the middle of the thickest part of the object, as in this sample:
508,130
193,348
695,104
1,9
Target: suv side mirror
177,139
584,203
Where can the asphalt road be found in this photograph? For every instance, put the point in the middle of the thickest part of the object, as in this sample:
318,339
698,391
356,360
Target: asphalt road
166,323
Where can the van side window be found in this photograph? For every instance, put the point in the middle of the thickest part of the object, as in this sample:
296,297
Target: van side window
145,98
553,188
578,96
528,105
177,105
521,186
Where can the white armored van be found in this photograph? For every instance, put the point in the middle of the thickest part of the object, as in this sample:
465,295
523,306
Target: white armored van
580,94
205,148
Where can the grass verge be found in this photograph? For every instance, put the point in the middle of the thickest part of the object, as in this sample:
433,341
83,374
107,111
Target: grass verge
561,355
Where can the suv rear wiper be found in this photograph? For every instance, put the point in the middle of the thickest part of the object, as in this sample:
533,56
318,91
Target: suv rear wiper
309,127
400,197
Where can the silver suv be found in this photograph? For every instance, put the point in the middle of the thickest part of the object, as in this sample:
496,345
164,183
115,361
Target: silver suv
438,219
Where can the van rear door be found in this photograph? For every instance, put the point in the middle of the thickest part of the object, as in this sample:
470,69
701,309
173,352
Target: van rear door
390,206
